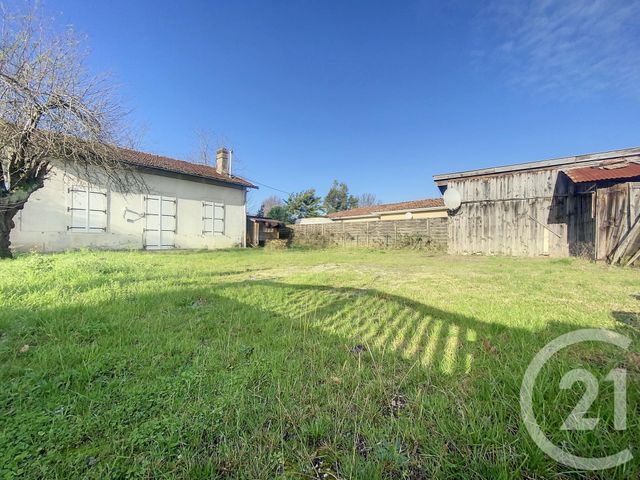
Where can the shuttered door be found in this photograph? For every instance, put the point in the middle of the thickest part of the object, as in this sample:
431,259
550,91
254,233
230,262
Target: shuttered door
160,229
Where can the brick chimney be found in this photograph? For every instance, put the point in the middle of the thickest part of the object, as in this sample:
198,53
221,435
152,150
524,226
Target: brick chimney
222,161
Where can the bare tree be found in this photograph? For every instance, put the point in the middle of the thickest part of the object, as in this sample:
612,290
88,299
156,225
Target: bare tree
52,110
268,203
208,144
367,200
206,151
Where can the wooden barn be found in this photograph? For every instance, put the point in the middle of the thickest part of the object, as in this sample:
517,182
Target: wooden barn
260,230
587,205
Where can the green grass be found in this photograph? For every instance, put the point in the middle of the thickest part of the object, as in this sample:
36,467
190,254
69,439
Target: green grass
239,364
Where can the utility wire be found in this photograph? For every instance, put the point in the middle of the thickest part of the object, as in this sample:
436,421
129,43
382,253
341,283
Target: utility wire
267,186
8,206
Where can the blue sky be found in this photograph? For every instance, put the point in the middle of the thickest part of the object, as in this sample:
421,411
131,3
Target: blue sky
380,95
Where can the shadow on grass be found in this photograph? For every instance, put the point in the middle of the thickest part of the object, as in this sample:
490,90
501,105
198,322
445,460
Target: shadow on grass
628,318
234,375
436,338
383,323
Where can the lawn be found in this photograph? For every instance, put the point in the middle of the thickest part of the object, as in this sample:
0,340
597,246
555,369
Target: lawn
302,364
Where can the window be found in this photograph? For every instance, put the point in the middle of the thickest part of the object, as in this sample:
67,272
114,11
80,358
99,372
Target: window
88,209
212,218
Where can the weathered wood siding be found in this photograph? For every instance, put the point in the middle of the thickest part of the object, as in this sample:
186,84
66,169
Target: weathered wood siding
417,233
618,209
525,213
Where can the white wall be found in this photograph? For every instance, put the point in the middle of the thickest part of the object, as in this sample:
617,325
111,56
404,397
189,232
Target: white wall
314,220
42,224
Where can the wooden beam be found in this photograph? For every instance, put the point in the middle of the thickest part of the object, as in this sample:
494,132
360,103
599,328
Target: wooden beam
634,258
629,239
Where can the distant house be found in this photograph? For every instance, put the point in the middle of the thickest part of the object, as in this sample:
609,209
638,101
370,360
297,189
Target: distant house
587,205
260,230
187,205
426,208
313,220
415,224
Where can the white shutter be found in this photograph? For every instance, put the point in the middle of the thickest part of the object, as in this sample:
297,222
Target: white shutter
88,209
207,218
152,222
212,218
97,210
79,203
168,209
218,218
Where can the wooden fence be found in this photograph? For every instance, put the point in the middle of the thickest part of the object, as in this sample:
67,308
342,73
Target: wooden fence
431,233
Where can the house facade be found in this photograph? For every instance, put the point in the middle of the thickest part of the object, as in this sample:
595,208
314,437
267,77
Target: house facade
183,206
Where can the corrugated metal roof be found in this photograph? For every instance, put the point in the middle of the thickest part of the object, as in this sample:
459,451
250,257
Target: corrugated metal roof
269,222
604,172
568,162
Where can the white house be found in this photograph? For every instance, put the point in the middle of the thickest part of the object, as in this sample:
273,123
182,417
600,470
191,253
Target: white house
185,205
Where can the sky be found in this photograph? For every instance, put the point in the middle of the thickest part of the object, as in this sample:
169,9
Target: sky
380,95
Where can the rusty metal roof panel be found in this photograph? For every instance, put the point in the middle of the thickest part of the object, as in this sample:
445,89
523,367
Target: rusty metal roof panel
607,171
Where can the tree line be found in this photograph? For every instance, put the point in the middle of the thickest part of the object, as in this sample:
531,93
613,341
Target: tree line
309,204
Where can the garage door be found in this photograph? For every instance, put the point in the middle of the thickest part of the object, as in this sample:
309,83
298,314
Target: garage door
160,228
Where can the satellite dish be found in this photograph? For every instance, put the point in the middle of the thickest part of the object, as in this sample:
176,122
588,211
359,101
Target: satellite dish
452,199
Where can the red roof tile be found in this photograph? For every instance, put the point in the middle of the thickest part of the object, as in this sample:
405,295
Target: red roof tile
167,164
610,171
389,207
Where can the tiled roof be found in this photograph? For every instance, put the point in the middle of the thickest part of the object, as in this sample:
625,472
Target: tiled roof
605,171
167,164
389,207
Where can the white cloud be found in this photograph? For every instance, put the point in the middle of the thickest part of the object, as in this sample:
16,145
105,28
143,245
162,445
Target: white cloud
567,47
